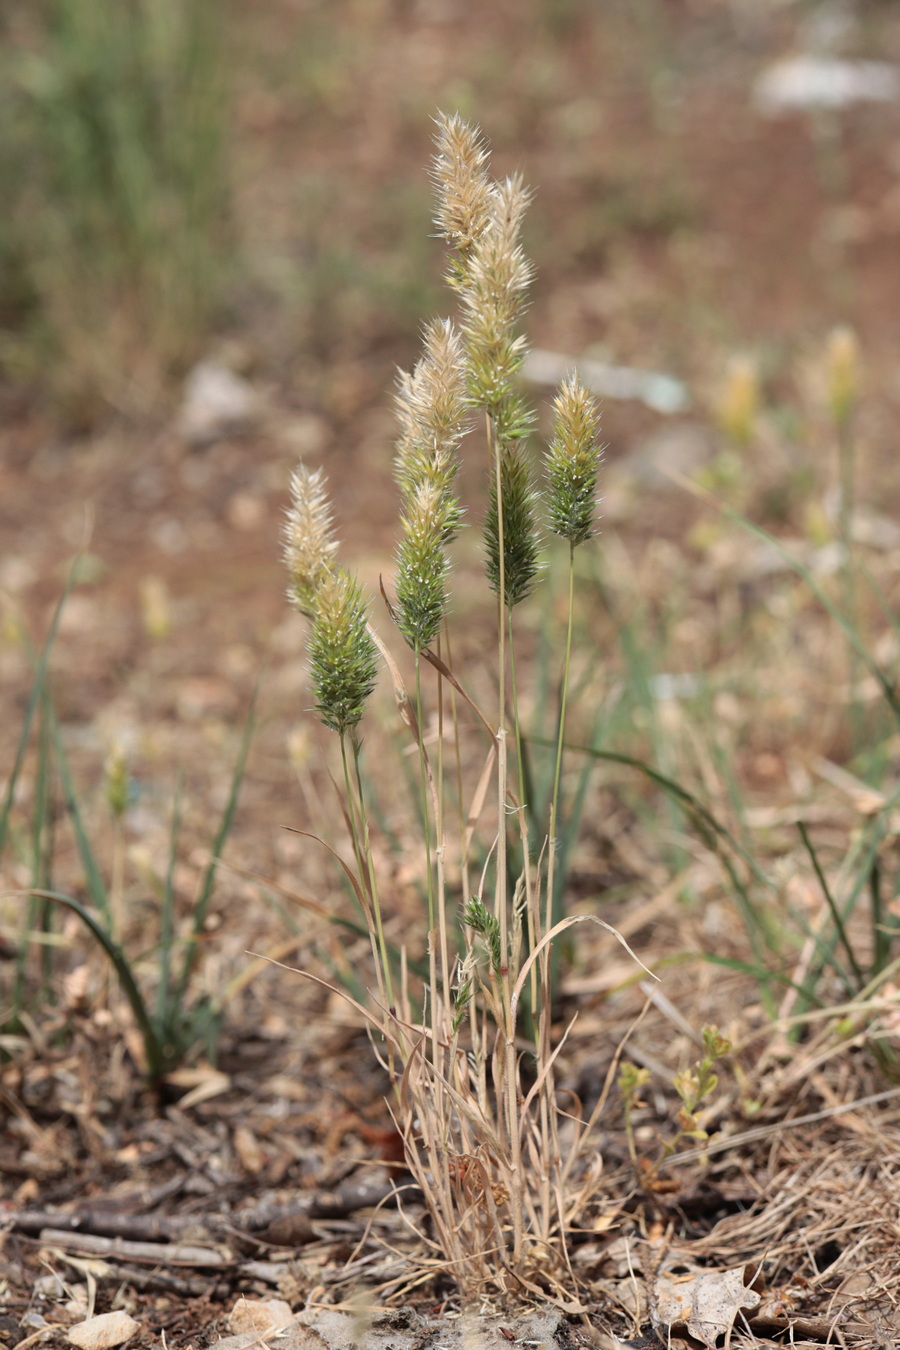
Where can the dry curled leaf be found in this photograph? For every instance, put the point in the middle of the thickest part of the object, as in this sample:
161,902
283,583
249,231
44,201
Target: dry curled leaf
706,1302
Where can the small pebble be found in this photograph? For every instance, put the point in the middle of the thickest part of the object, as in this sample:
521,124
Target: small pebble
104,1331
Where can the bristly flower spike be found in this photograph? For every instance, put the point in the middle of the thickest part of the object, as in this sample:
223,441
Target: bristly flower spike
463,190
521,561
343,657
423,566
572,463
309,543
432,408
493,300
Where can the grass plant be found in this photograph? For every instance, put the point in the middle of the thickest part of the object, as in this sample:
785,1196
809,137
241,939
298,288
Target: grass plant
172,1020
504,1172
120,115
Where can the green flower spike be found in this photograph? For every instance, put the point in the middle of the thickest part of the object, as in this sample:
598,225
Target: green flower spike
432,410
422,567
572,464
521,563
493,301
343,657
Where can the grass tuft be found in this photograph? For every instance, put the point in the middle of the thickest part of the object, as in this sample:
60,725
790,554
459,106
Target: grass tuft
121,224
481,1131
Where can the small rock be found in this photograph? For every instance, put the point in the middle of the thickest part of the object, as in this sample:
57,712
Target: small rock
34,1321
245,511
306,435
679,448
17,574
657,390
805,82
217,403
261,1317
49,1286
104,1331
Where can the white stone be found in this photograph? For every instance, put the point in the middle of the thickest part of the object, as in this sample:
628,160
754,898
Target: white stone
805,82
659,391
104,1331
261,1317
217,403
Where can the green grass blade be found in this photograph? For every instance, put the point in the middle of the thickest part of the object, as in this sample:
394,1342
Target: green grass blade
165,1003
222,834
836,915
714,834
860,862
687,799
37,689
38,916
42,835
884,681
153,1048
882,931
762,974
93,878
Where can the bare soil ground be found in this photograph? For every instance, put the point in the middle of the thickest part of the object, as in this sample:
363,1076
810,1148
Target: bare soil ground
673,226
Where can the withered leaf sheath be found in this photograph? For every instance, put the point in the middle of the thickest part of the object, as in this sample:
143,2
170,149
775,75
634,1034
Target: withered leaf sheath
572,463
343,657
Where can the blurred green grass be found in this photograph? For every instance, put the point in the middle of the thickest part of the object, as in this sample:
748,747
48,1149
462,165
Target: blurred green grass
113,252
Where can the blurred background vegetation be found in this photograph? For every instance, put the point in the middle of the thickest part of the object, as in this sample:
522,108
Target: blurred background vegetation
176,172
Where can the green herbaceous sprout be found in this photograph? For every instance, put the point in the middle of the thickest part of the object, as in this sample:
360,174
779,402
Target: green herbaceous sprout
117,782
309,543
480,919
342,654
572,464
